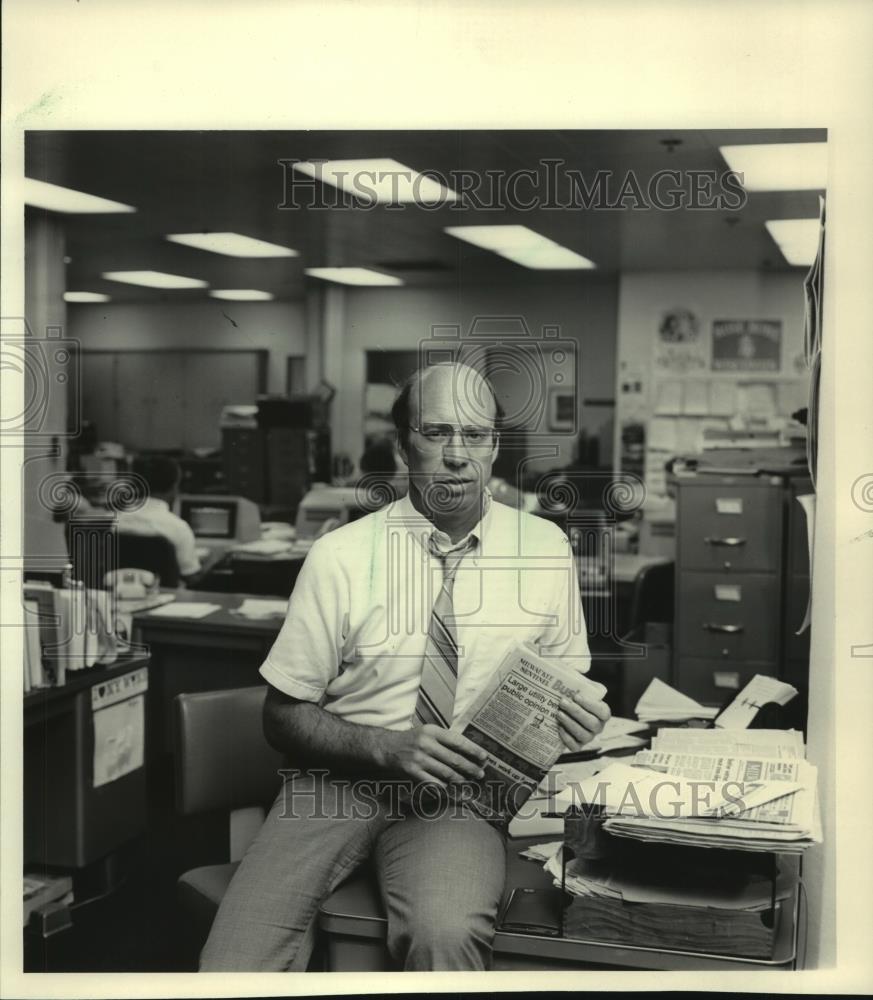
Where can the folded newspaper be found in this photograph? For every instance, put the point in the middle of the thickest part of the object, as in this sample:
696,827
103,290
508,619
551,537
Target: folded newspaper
514,719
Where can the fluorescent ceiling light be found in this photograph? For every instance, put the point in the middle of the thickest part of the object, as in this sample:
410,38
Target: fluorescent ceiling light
154,279
55,198
352,276
85,297
381,180
784,166
796,238
240,294
231,244
523,246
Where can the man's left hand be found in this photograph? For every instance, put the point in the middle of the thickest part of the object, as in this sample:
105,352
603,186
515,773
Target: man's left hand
580,719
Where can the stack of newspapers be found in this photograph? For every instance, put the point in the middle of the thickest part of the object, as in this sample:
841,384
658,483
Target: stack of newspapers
754,792
662,703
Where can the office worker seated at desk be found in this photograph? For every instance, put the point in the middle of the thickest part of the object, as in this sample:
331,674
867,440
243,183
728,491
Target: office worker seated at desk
162,476
394,625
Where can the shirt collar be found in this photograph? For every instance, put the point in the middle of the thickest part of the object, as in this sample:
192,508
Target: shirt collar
156,504
417,524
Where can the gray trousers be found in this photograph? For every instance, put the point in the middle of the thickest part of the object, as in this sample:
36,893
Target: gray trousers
441,879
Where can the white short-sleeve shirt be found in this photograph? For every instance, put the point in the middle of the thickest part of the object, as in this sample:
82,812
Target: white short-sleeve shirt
156,518
355,632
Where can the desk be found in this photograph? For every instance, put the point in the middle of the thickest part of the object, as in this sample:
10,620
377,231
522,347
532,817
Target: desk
222,650
254,575
68,822
354,924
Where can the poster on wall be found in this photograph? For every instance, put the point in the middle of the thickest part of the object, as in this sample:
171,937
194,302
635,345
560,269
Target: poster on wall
746,345
679,349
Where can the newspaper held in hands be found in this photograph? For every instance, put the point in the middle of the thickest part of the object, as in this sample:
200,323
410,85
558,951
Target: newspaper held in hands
514,719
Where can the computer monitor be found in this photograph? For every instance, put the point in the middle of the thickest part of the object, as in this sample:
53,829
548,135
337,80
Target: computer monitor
220,519
210,520
335,504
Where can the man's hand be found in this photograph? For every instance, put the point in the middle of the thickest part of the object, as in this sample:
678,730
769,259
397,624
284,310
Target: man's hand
580,719
432,754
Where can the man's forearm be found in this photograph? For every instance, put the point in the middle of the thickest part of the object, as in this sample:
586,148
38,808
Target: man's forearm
313,736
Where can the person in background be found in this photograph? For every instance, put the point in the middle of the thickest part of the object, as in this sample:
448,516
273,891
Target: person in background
162,476
380,481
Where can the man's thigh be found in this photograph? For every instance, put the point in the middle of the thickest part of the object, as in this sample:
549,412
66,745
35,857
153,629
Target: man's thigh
318,831
441,881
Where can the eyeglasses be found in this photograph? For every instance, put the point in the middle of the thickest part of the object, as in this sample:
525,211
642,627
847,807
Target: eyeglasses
439,435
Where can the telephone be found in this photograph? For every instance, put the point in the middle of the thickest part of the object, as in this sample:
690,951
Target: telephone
132,584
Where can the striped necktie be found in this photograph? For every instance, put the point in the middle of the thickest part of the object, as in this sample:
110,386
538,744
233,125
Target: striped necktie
439,674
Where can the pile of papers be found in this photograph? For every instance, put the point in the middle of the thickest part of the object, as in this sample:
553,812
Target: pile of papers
662,703
617,734
267,547
258,609
185,609
753,791
645,878
760,691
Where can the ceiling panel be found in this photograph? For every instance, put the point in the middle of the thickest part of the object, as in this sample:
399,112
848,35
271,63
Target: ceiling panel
195,181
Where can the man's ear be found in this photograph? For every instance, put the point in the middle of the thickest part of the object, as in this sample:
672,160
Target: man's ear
401,451
496,448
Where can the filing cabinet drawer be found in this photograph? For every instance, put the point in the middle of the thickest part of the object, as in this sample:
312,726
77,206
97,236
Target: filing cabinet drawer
714,683
729,525
728,617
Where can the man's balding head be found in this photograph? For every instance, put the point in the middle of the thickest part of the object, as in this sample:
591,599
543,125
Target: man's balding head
476,402
446,418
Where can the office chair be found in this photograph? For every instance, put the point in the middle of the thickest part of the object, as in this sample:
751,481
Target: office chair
91,547
222,762
652,604
652,599
152,552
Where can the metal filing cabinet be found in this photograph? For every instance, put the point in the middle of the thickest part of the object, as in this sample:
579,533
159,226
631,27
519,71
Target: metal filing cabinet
245,465
737,574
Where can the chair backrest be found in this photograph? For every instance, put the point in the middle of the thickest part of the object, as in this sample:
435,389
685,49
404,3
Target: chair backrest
91,547
652,599
222,759
152,552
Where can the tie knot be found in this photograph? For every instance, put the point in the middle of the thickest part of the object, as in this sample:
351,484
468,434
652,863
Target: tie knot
451,559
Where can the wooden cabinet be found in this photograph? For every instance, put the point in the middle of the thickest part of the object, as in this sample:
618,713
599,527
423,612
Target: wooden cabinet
741,583
167,399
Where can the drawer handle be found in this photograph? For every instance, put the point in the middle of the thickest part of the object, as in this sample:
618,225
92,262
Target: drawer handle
730,629
730,542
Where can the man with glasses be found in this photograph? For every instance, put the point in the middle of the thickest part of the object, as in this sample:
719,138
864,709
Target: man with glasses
395,623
